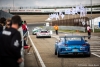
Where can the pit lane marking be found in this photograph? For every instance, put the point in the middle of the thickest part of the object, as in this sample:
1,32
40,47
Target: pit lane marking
38,55
95,55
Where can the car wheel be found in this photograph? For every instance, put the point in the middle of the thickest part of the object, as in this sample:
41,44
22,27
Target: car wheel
55,52
37,37
58,54
33,33
88,55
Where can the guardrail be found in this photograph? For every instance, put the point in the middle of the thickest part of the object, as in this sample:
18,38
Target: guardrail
74,28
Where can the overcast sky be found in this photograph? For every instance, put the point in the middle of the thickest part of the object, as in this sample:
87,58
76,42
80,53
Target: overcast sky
43,3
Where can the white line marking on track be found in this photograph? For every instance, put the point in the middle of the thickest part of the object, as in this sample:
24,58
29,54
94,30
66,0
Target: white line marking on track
37,53
95,46
96,55
95,50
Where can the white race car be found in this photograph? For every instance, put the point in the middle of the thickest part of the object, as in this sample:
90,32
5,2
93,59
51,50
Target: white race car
43,33
35,30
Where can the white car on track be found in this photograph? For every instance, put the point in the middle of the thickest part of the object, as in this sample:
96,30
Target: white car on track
35,30
43,33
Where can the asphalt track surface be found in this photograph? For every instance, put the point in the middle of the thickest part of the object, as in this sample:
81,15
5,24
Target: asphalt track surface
45,47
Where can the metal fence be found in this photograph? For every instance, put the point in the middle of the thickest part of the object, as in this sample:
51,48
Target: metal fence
73,22
84,21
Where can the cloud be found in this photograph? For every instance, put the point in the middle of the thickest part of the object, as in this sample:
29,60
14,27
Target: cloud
44,3
5,3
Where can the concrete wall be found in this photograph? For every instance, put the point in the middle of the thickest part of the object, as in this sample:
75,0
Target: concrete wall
66,28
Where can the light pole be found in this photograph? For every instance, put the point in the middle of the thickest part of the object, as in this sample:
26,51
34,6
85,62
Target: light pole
92,26
13,5
91,13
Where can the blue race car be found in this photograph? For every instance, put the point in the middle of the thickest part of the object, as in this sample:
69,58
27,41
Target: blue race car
72,45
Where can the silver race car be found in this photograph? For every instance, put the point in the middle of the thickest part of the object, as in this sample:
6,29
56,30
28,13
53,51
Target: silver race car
43,33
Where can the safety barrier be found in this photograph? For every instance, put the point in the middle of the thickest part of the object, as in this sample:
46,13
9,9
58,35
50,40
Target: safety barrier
74,28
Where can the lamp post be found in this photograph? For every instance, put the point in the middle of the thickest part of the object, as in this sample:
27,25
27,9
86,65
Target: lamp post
91,13
13,5
92,26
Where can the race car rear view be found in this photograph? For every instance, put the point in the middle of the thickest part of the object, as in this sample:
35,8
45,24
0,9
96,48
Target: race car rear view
72,45
43,33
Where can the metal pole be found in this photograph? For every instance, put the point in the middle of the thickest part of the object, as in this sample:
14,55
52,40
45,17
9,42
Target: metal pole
91,13
92,26
13,4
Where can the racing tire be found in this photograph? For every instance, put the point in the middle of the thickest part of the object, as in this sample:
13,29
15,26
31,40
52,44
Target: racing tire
58,55
33,34
49,36
55,52
88,55
37,37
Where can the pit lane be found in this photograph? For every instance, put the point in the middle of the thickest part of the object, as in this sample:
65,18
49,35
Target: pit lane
45,47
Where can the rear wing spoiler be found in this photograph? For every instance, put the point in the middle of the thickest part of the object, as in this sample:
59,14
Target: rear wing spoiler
74,36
